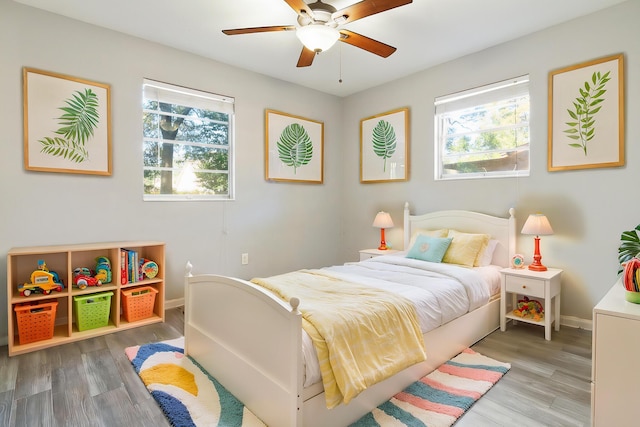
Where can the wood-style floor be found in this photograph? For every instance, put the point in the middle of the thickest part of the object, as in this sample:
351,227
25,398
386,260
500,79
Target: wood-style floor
549,383
92,382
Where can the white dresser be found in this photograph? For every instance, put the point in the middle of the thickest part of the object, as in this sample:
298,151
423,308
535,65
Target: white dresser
615,375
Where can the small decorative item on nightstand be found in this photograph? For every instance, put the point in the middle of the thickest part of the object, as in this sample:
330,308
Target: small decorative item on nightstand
517,261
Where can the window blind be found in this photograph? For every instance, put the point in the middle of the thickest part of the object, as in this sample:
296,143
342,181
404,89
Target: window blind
505,89
161,92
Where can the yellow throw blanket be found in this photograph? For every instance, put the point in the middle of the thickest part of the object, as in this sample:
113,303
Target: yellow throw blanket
362,334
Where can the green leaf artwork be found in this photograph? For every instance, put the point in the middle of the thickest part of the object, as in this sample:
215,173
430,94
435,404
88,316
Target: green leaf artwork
384,141
585,107
295,147
77,125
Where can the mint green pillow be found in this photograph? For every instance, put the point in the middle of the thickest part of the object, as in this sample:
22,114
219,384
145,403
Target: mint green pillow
427,248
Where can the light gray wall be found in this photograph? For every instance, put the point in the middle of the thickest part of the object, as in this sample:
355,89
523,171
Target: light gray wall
588,209
282,226
290,226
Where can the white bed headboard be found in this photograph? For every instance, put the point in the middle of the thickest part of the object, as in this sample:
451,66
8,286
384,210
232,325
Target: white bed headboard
501,229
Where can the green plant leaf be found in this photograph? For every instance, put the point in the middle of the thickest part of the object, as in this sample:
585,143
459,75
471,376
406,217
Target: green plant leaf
384,141
81,116
60,147
629,246
585,107
78,123
295,147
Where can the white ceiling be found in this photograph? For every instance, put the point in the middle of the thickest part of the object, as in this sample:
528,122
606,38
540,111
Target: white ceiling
425,32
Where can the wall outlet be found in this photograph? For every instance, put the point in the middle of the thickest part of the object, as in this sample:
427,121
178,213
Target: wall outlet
245,259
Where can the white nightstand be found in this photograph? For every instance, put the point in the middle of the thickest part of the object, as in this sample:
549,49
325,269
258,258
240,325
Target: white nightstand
371,253
541,285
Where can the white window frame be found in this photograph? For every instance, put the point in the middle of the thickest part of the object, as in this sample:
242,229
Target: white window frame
468,99
174,94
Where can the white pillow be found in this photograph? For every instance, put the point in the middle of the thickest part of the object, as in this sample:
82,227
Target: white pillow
487,256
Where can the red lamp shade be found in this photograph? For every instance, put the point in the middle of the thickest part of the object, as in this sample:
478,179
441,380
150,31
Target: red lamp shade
383,220
538,225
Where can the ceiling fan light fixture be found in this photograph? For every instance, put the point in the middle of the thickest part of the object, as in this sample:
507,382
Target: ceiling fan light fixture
318,37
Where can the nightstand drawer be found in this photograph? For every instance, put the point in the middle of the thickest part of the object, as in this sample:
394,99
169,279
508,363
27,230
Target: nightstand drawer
523,285
372,253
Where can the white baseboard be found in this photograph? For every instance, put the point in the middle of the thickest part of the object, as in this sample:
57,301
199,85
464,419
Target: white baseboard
173,303
576,322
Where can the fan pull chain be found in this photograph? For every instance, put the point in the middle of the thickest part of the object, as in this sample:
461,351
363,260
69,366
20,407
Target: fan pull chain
340,62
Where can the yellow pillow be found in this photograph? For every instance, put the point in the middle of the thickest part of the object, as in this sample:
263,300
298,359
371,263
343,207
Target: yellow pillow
465,248
440,233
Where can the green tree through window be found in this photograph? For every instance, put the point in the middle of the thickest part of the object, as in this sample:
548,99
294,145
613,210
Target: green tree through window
484,132
187,144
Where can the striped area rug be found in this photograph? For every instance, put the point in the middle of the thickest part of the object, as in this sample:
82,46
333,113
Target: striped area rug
441,397
189,396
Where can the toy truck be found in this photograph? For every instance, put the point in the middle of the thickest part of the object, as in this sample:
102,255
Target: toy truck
42,282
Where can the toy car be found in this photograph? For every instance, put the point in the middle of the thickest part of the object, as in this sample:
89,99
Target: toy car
82,278
41,282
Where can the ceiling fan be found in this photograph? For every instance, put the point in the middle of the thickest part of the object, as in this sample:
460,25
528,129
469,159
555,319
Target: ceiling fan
318,24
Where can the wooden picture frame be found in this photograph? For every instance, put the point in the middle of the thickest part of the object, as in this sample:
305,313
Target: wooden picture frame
67,124
384,147
586,115
294,148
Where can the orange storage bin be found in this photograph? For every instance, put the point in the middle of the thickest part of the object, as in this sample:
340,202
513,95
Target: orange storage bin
36,321
138,303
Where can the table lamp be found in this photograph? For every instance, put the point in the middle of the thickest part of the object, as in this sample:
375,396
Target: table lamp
537,224
383,220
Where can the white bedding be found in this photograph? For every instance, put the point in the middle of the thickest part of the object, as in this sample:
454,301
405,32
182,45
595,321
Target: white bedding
440,292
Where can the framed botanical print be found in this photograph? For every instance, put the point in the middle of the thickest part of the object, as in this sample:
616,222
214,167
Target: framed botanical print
67,124
384,147
294,148
586,115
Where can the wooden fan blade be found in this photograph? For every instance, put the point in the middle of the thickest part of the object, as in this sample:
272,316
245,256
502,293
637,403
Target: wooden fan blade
366,8
300,7
237,31
306,57
363,42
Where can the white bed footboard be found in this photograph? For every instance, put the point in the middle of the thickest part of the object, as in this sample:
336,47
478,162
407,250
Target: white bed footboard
248,340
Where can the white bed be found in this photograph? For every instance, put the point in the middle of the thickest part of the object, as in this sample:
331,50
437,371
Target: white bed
251,341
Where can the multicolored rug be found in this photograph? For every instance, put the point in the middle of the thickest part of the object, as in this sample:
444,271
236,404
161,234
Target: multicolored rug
189,396
441,397
185,392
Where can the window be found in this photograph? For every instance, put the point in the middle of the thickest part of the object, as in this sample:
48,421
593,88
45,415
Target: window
187,143
483,132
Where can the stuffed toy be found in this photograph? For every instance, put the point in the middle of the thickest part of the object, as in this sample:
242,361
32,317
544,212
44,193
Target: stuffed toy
529,309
